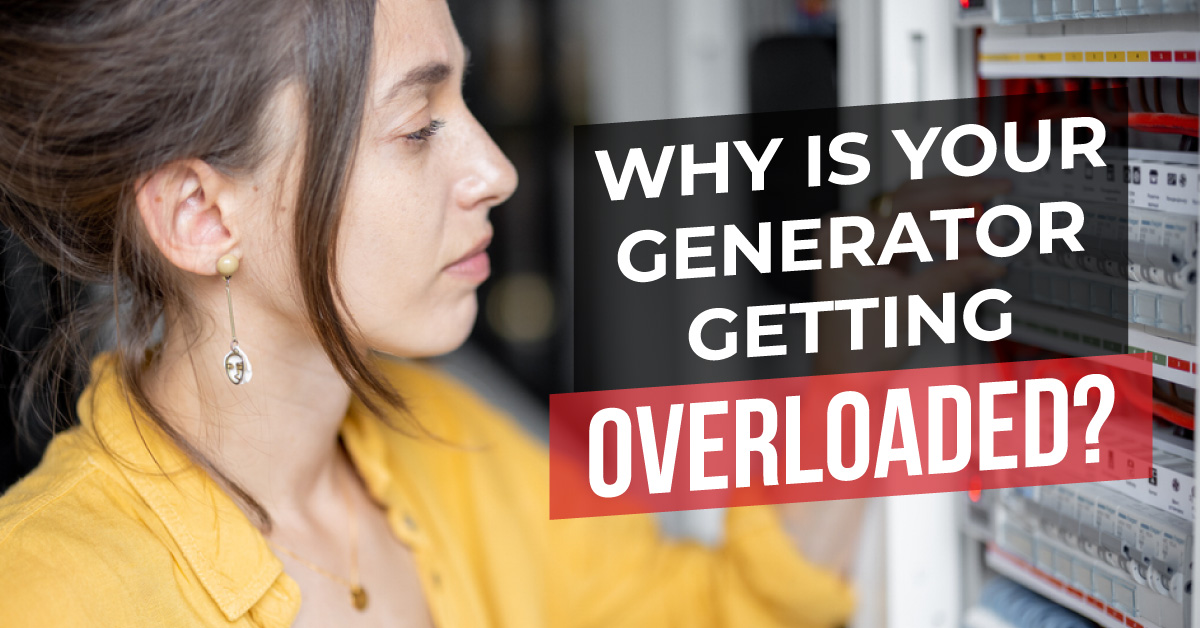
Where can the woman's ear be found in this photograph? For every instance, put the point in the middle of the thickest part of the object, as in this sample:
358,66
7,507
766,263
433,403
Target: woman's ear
182,209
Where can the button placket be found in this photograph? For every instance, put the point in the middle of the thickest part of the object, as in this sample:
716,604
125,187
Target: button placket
406,527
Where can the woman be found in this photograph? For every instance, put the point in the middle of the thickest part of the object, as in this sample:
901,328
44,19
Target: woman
292,188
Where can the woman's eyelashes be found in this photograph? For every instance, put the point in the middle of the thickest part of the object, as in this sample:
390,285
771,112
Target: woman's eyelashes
423,134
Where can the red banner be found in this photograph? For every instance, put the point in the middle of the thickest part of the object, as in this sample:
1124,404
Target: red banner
845,436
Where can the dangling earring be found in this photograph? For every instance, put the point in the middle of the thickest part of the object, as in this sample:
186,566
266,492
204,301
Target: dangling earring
237,363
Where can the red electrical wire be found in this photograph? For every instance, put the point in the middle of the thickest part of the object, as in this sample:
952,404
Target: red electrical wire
1168,412
1180,123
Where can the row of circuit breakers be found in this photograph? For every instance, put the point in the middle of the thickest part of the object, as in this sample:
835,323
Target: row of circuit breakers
1024,11
1122,553
1139,263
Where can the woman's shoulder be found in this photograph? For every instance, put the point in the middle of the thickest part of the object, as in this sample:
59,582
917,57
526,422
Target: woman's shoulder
72,539
77,496
65,475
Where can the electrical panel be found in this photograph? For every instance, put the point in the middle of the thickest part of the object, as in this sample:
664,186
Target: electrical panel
1115,553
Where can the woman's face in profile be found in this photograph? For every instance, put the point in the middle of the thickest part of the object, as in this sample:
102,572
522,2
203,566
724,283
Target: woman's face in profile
426,174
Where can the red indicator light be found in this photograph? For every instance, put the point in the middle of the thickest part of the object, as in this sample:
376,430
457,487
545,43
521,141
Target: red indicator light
975,488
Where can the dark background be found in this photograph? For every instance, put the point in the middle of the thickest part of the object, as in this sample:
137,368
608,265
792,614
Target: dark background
634,335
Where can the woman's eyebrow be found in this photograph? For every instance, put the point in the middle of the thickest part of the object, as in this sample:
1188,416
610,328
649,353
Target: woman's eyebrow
425,75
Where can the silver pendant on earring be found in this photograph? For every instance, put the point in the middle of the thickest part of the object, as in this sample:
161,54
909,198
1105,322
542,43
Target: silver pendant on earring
237,366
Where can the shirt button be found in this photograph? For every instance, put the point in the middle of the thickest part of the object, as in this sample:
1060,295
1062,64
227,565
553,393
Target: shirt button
437,579
410,523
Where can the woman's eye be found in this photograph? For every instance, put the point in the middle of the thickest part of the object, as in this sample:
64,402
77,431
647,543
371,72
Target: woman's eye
427,132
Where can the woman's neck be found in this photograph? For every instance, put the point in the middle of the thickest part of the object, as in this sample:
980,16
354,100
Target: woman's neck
276,436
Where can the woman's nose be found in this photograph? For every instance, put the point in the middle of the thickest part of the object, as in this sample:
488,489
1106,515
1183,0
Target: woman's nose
489,178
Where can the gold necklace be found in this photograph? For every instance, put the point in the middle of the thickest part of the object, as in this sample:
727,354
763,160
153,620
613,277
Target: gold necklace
358,595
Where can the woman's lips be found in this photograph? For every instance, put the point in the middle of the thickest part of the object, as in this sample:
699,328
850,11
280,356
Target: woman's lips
475,265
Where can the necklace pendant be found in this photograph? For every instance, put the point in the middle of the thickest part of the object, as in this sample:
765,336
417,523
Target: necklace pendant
359,596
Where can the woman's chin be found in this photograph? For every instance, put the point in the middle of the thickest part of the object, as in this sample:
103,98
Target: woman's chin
440,337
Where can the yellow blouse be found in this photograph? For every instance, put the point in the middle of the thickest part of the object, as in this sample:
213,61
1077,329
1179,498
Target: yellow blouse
97,535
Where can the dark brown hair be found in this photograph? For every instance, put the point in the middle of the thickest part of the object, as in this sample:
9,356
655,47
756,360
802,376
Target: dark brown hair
95,94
